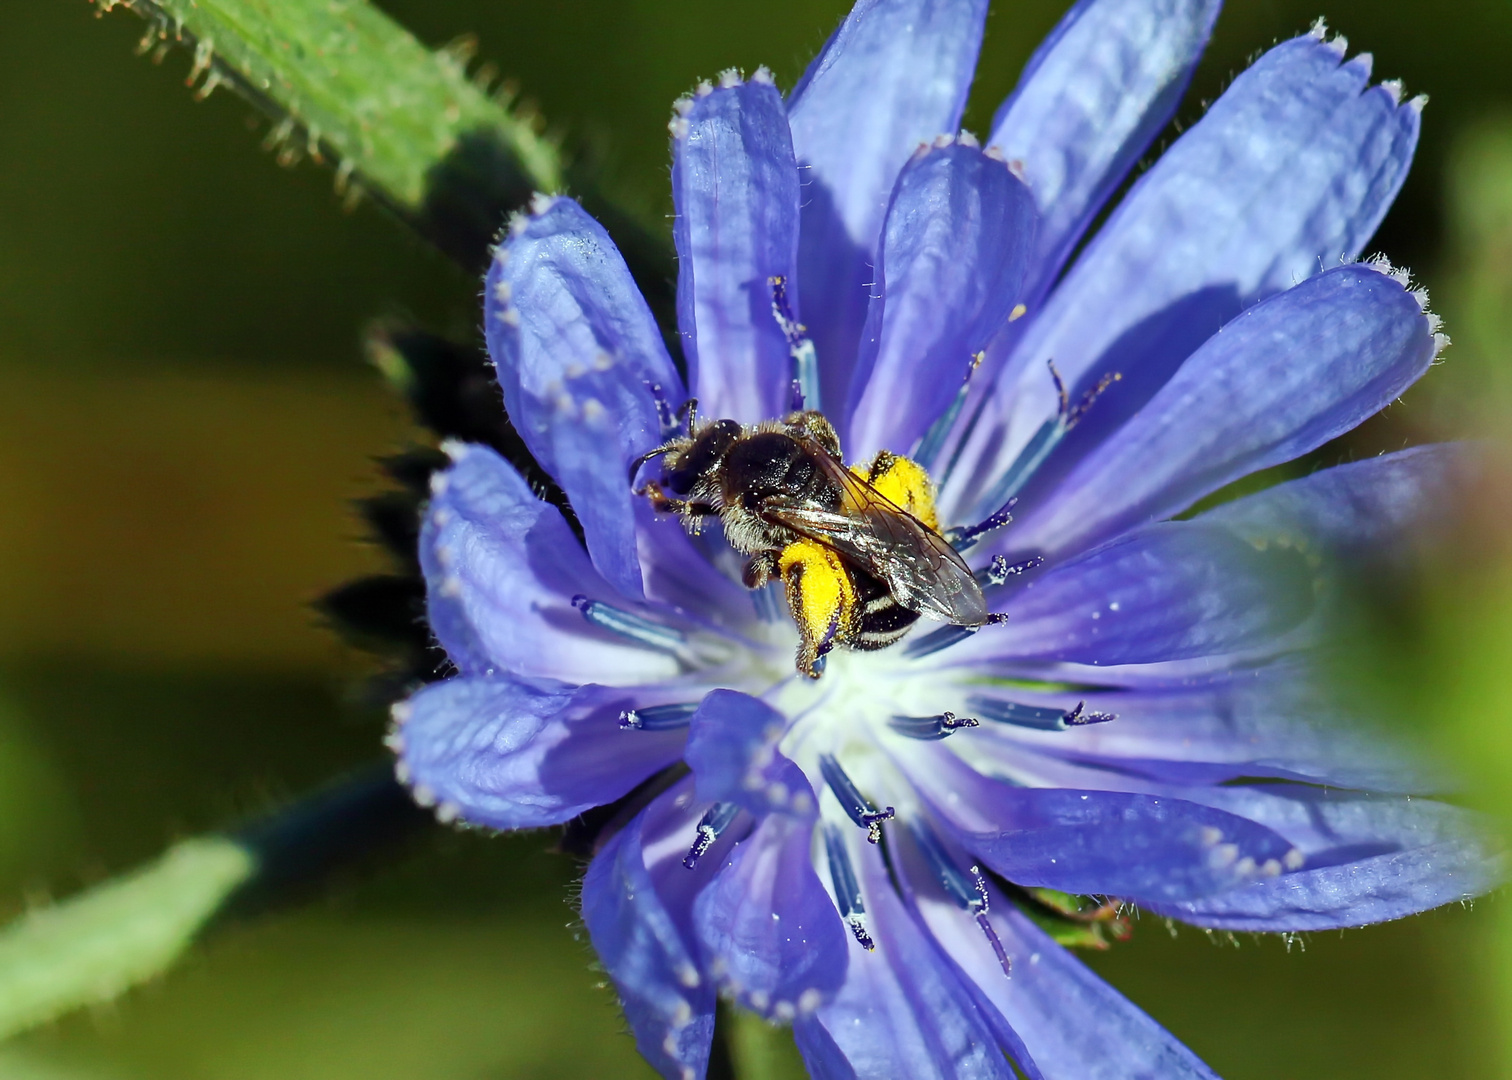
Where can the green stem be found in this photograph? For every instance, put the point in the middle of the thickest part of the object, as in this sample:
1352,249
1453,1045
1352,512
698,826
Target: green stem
91,948
343,82
88,950
759,1050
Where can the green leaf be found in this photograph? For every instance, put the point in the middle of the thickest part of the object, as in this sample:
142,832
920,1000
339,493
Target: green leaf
87,950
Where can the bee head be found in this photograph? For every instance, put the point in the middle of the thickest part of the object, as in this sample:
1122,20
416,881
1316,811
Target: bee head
701,455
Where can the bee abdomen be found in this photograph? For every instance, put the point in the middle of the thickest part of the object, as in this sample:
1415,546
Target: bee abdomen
880,620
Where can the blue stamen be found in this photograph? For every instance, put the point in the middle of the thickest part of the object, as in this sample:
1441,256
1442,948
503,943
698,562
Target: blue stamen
961,887
861,810
1000,569
964,438
806,367
800,346
627,625
715,821
1077,718
936,640
847,889
931,728
934,439
664,414
1047,438
964,539
1030,458
1038,717
658,717
967,890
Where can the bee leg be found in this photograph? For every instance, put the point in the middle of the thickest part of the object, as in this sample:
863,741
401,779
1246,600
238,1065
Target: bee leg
666,504
904,483
692,513
761,569
821,597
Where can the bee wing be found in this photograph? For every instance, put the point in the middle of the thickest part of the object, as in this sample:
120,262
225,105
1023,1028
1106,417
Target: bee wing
923,572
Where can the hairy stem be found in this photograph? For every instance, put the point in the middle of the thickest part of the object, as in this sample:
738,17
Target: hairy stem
344,83
96,945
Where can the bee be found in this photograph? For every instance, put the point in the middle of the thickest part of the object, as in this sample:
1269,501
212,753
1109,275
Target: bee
858,551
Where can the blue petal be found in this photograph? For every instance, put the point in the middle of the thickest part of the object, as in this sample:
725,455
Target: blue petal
894,74
1093,842
1092,97
634,914
904,1010
1377,889
501,568
1368,506
732,750
1281,379
1170,591
1273,721
680,570
1357,857
1290,172
1222,582
522,753
735,187
576,352
1073,1025
769,931
955,244
1368,859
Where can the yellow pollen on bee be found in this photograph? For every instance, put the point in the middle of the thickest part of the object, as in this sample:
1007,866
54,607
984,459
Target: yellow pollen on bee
904,483
820,595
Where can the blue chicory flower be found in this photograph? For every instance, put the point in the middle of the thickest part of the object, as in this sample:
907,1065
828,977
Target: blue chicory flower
1143,723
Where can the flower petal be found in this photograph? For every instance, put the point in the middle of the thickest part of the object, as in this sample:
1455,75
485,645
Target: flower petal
577,352
1358,856
735,186
1363,507
1092,97
955,244
1170,591
1369,859
680,570
732,750
1073,1025
1289,172
1089,841
1376,889
1281,379
1310,527
522,753
633,923
501,569
894,74
903,1011
1272,721
769,931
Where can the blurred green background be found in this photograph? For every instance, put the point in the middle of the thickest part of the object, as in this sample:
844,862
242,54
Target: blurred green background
185,417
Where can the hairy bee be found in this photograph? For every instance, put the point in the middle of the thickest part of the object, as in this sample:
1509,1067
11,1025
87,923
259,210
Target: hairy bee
859,552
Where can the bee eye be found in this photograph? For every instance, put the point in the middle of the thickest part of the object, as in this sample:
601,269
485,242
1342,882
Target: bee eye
681,481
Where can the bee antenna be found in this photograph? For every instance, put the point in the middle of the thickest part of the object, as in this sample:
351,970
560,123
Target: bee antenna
635,466
690,408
